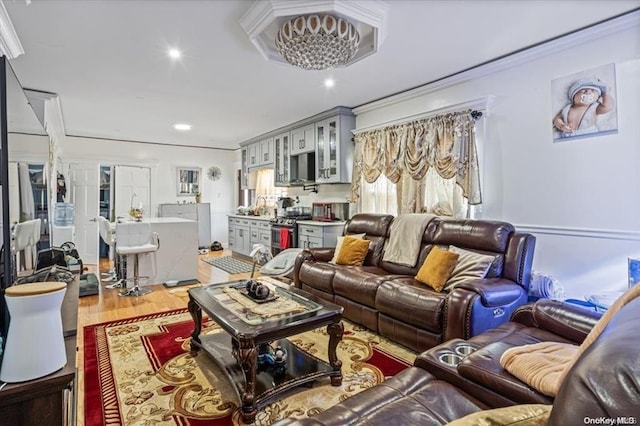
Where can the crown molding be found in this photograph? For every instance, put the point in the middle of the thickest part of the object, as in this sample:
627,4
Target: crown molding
10,45
49,111
595,32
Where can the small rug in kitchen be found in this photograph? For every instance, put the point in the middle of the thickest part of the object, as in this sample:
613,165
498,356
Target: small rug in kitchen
229,264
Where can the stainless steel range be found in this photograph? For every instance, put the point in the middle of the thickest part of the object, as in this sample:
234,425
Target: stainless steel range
284,232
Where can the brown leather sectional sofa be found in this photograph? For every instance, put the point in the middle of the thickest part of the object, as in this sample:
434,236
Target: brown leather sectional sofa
604,383
386,298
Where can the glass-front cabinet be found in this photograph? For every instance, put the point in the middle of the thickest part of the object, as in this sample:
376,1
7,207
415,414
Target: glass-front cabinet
282,175
244,174
334,150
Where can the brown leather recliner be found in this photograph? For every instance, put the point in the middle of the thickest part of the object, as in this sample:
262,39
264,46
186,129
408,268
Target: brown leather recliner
386,298
603,383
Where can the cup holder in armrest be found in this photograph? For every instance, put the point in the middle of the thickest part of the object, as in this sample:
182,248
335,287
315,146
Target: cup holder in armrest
450,359
464,350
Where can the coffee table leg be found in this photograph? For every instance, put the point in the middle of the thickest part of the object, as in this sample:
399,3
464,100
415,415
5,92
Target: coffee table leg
335,330
196,314
247,357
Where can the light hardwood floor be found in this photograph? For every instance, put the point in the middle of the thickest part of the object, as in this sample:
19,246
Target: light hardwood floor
109,306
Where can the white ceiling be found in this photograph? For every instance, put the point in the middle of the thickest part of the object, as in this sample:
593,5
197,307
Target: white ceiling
107,60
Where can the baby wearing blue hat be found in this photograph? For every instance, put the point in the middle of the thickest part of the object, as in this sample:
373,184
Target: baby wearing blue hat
588,98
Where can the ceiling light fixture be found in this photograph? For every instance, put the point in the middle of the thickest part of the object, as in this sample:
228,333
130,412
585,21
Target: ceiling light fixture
317,42
182,127
329,83
174,54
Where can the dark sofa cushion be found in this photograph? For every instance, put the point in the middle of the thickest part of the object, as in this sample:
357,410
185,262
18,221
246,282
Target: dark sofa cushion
490,236
376,228
408,300
359,283
318,275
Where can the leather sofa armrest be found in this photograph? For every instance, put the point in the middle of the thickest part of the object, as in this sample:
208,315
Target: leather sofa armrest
322,254
524,315
311,254
564,319
476,306
494,291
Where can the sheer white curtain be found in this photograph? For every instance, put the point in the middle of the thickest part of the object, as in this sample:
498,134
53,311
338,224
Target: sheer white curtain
443,197
378,197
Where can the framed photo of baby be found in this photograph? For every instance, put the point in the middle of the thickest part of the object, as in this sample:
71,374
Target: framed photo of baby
584,104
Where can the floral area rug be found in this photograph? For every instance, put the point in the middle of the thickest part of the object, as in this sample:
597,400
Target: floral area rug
138,371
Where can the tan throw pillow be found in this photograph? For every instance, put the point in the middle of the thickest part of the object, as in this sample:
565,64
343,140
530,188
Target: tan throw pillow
353,251
521,415
471,265
339,245
437,268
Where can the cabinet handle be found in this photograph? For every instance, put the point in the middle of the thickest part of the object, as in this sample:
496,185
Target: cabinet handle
303,143
310,231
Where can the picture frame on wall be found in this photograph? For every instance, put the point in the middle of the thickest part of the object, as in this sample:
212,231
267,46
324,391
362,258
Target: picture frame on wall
584,104
634,272
188,181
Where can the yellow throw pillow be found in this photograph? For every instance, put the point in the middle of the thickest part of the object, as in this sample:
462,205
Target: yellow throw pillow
437,268
339,245
353,251
521,415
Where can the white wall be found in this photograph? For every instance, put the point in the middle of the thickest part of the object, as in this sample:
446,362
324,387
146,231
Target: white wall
581,198
163,161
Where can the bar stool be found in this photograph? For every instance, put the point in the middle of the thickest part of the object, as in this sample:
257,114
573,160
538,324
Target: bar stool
35,343
136,238
108,235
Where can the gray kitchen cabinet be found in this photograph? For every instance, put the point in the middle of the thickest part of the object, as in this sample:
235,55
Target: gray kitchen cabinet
199,212
253,155
267,153
318,234
303,140
334,149
282,173
245,231
244,177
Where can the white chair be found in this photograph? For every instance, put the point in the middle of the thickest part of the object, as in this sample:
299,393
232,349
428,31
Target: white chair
25,239
135,239
108,235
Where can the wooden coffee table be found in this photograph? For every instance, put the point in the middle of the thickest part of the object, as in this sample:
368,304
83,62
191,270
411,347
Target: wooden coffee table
251,325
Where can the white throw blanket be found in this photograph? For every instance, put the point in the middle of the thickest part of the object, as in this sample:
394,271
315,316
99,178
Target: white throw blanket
405,236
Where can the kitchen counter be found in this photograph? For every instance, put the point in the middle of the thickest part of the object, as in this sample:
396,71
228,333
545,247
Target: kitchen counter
177,257
245,216
321,223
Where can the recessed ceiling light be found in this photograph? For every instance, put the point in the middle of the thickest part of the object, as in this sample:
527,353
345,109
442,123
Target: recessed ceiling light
175,54
181,126
329,83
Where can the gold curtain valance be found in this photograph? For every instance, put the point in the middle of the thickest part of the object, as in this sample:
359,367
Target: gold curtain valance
445,142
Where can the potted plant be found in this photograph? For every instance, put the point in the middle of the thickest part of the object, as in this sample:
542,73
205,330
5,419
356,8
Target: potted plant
198,196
